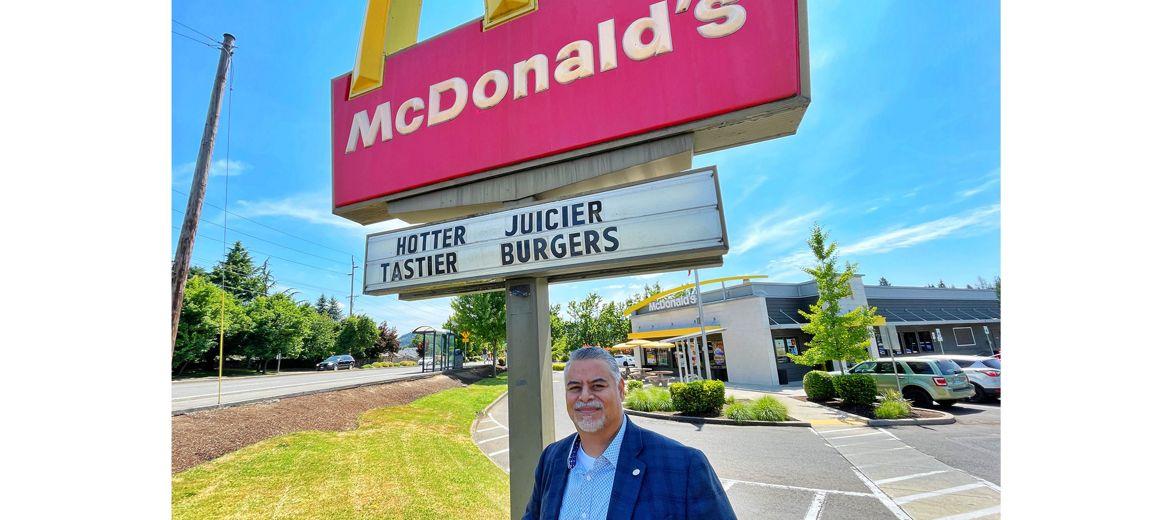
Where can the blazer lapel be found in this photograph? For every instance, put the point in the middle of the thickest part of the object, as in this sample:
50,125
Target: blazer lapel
630,472
557,482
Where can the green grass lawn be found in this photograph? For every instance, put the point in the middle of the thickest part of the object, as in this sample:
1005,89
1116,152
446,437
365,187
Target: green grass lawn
410,461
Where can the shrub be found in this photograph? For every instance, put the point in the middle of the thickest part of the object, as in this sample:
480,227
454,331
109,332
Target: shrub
817,384
698,397
893,406
740,412
408,363
855,389
631,384
649,400
729,399
558,367
768,409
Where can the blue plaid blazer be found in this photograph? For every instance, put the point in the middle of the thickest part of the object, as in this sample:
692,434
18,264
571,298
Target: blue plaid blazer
656,478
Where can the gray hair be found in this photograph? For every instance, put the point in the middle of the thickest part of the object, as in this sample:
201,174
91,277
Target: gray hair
598,354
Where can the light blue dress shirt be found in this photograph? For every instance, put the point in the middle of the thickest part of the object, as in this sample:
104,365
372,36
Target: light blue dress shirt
590,485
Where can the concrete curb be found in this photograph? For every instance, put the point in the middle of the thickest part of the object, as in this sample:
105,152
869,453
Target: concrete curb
175,413
714,420
947,418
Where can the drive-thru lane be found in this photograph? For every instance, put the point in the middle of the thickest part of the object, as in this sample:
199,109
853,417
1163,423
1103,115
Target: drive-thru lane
198,393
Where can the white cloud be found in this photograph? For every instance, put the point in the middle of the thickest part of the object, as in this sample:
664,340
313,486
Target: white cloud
313,208
775,225
219,168
969,222
755,182
965,194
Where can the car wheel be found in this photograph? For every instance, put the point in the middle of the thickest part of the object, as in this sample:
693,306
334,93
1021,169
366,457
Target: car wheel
919,398
336,368
979,395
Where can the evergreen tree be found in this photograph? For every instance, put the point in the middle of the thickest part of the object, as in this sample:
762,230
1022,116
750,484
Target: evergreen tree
237,275
941,284
835,335
265,281
322,305
334,310
884,282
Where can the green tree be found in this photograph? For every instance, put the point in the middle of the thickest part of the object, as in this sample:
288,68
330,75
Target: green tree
357,336
237,275
583,323
613,327
322,305
321,340
884,282
484,316
278,327
941,285
334,310
198,326
559,334
836,335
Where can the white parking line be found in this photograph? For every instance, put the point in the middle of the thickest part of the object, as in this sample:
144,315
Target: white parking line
988,484
731,482
857,435
504,436
491,428
825,432
860,444
879,451
816,507
974,514
496,421
910,477
939,492
726,487
504,450
883,498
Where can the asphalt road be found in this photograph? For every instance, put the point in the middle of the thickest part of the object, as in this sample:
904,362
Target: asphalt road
973,444
194,393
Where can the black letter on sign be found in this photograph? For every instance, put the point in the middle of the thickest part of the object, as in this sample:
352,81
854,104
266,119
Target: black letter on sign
507,250
610,236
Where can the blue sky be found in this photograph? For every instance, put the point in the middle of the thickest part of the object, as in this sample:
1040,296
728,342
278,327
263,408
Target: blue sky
898,155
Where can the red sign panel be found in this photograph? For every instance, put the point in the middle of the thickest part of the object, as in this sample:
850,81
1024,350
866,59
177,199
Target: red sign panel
571,75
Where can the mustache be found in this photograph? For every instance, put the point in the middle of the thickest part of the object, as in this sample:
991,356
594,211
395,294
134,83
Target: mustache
588,406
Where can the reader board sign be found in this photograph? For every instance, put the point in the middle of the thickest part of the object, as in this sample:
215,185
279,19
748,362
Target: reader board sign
573,74
675,218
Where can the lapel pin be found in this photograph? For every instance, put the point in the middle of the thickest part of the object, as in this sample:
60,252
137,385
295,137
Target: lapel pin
636,472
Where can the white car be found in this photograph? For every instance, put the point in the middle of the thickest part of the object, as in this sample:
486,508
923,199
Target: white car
984,372
625,360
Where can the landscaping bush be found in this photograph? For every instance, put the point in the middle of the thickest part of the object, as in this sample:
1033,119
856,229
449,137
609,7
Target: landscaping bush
729,399
768,409
408,363
634,384
893,406
740,412
649,400
817,384
855,389
558,367
698,397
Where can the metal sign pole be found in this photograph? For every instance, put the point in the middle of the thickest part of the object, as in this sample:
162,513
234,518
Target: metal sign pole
702,325
529,384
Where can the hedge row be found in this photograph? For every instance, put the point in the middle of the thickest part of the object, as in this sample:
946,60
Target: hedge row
698,398
852,389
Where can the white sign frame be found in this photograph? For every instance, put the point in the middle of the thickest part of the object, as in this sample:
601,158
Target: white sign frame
451,236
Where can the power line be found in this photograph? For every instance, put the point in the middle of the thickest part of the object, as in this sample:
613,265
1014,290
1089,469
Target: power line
213,40
267,226
333,292
233,230
276,257
200,42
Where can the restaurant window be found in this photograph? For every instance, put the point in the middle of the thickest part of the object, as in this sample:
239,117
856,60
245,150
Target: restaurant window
910,343
964,336
925,338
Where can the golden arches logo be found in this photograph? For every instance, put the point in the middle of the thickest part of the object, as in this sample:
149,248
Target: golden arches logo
392,25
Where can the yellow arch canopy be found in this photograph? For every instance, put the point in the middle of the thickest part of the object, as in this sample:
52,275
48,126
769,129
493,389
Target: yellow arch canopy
670,292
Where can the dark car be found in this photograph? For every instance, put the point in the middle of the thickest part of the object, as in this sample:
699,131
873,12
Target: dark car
337,362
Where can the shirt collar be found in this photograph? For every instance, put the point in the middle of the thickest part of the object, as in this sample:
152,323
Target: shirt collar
611,453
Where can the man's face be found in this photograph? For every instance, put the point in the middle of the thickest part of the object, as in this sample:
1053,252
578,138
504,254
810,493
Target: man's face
594,398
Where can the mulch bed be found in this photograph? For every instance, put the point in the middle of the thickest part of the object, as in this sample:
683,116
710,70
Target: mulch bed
867,411
202,436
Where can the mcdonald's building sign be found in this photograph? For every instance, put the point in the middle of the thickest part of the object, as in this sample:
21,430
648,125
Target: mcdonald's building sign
537,80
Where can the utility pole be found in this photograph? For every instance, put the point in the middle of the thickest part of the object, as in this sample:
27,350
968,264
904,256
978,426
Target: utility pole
182,255
352,279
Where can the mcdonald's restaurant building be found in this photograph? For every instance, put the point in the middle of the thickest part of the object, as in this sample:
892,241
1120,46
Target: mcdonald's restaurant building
753,327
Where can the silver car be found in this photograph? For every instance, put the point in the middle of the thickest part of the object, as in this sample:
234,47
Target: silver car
984,372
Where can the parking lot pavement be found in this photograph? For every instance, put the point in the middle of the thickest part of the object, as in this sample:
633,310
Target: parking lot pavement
973,444
916,482
768,472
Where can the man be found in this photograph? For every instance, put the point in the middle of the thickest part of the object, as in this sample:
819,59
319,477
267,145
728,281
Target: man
611,468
